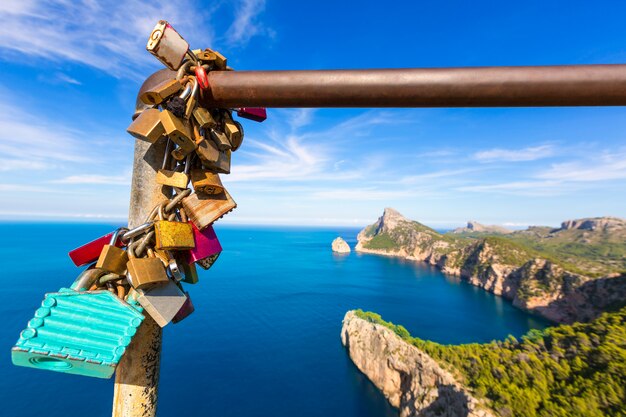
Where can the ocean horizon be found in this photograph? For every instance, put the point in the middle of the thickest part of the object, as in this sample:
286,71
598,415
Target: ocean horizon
265,335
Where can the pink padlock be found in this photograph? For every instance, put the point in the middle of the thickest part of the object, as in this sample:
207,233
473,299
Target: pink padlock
206,244
258,114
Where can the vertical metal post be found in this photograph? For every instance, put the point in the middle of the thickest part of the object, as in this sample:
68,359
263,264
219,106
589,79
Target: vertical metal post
137,376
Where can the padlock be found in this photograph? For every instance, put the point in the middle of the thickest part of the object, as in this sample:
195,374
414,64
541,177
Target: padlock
220,139
82,333
207,244
147,126
204,118
112,258
90,252
170,261
203,80
87,278
258,114
237,140
167,45
171,178
145,272
178,132
162,302
161,92
193,97
232,132
206,182
185,311
222,165
220,60
207,57
208,262
172,234
207,152
189,271
204,209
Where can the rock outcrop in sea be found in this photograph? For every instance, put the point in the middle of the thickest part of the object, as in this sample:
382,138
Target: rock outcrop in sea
340,246
411,380
562,285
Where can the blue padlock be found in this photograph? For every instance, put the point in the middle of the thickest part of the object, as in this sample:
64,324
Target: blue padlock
78,332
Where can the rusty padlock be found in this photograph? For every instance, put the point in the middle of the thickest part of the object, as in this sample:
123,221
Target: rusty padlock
204,209
172,235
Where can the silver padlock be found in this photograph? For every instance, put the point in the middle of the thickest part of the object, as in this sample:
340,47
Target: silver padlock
162,302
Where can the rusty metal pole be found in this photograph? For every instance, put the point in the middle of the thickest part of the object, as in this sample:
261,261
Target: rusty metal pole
137,375
573,85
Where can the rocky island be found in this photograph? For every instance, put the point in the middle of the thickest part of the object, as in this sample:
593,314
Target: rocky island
567,274
340,246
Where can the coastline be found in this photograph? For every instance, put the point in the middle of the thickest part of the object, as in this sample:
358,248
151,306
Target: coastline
453,273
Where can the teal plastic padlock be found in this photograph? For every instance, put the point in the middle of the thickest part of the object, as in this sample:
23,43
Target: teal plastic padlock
78,332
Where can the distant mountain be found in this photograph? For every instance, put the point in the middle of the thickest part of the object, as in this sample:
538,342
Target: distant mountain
572,273
475,227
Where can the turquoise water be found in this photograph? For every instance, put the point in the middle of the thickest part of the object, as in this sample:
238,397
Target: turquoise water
264,339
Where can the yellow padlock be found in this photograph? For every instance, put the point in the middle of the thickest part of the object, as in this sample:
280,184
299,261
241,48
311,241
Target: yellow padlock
173,235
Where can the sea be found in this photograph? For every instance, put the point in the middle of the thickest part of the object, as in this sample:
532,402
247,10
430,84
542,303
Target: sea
265,336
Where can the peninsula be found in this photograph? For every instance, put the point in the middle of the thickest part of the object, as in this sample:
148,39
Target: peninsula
566,274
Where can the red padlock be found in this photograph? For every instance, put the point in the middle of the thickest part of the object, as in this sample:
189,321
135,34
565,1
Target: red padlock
90,252
258,114
203,80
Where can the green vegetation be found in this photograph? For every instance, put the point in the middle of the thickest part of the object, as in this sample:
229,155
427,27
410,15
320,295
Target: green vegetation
595,254
591,253
382,241
568,370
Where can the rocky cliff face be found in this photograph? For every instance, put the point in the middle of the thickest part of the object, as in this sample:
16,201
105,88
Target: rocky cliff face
340,246
410,379
501,266
475,227
595,223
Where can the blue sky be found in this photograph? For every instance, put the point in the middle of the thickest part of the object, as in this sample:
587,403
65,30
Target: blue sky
71,69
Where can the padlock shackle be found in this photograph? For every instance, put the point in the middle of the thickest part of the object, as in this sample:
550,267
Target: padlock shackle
529,86
116,235
134,232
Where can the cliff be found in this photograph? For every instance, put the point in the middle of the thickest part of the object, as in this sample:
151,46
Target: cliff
569,274
566,370
475,227
410,379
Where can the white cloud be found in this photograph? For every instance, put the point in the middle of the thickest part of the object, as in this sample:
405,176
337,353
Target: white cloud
359,194
66,79
286,160
94,179
427,176
28,138
311,155
23,163
245,25
300,118
606,166
599,168
515,155
110,36
517,187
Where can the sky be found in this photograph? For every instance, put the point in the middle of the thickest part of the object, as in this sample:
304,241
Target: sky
70,71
